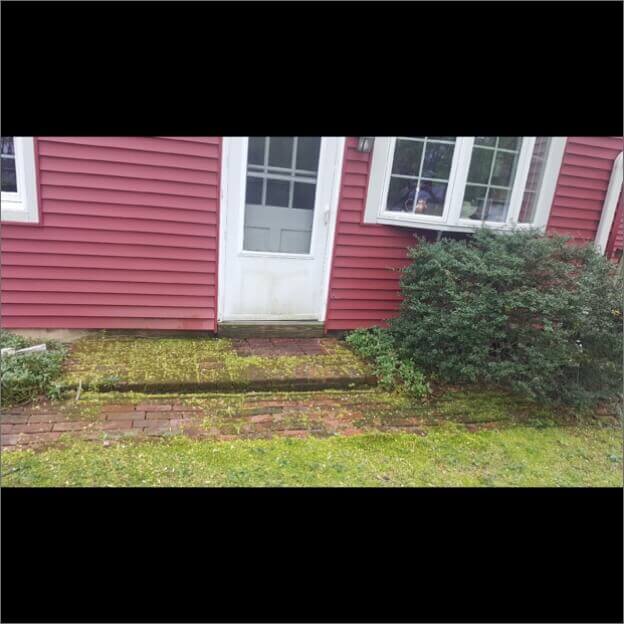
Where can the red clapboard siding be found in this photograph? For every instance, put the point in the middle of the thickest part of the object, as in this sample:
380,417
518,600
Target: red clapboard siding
582,186
114,322
127,238
364,282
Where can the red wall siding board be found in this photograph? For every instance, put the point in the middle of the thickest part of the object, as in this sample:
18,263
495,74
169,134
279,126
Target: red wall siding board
175,215
102,236
130,198
97,262
138,172
10,285
105,275
146,322
124,156
111,250
17,309
146,144
116,183
127,236
134,225
364,282
582,186
107,299
612,143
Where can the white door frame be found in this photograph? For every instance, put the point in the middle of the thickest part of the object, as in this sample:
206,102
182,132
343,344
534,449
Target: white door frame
233,169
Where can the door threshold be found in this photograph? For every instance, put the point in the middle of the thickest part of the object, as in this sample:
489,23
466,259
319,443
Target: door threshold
271,329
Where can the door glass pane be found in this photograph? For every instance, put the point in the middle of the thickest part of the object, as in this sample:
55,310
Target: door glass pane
254,190
256,150
278,192
308,151
281,194
7,156
280,152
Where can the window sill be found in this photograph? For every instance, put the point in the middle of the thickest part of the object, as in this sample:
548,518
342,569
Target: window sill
438,224
17,212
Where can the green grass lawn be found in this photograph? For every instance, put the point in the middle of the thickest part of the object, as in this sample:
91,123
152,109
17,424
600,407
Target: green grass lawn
448,455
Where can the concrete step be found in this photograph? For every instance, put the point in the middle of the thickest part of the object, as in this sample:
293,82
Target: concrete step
270,329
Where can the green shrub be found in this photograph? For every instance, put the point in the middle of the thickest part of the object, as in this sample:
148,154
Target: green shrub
523,310
23,377
377,345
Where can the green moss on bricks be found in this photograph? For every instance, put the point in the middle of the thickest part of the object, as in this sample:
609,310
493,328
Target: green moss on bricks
103,362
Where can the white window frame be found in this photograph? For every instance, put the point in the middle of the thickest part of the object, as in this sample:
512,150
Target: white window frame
450,220
609,206
21,206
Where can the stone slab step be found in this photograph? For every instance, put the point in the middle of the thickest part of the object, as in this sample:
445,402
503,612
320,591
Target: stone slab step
270,329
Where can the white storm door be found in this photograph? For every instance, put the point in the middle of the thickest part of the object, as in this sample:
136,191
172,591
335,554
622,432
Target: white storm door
279,198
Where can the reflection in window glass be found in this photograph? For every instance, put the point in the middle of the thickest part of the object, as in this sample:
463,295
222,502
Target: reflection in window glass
421,169
534,180
491,175
7,157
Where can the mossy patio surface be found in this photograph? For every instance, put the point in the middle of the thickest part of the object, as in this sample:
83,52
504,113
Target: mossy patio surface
157,364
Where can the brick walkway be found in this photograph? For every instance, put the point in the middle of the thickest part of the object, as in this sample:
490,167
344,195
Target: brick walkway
249,416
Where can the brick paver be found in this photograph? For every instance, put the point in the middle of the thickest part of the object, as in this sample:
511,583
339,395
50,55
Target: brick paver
271,347
252,416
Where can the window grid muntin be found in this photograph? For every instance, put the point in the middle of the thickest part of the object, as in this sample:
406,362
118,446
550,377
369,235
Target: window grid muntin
292,175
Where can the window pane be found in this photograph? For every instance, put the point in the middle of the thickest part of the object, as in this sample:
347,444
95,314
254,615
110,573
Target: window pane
280,152
474,201
430,200
303,196
497,204
7,148
504,168
407,156
491,141
534,180
254,190
437,161
508,142
256,150
480,165
308,150
401,195
8,173
277,192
